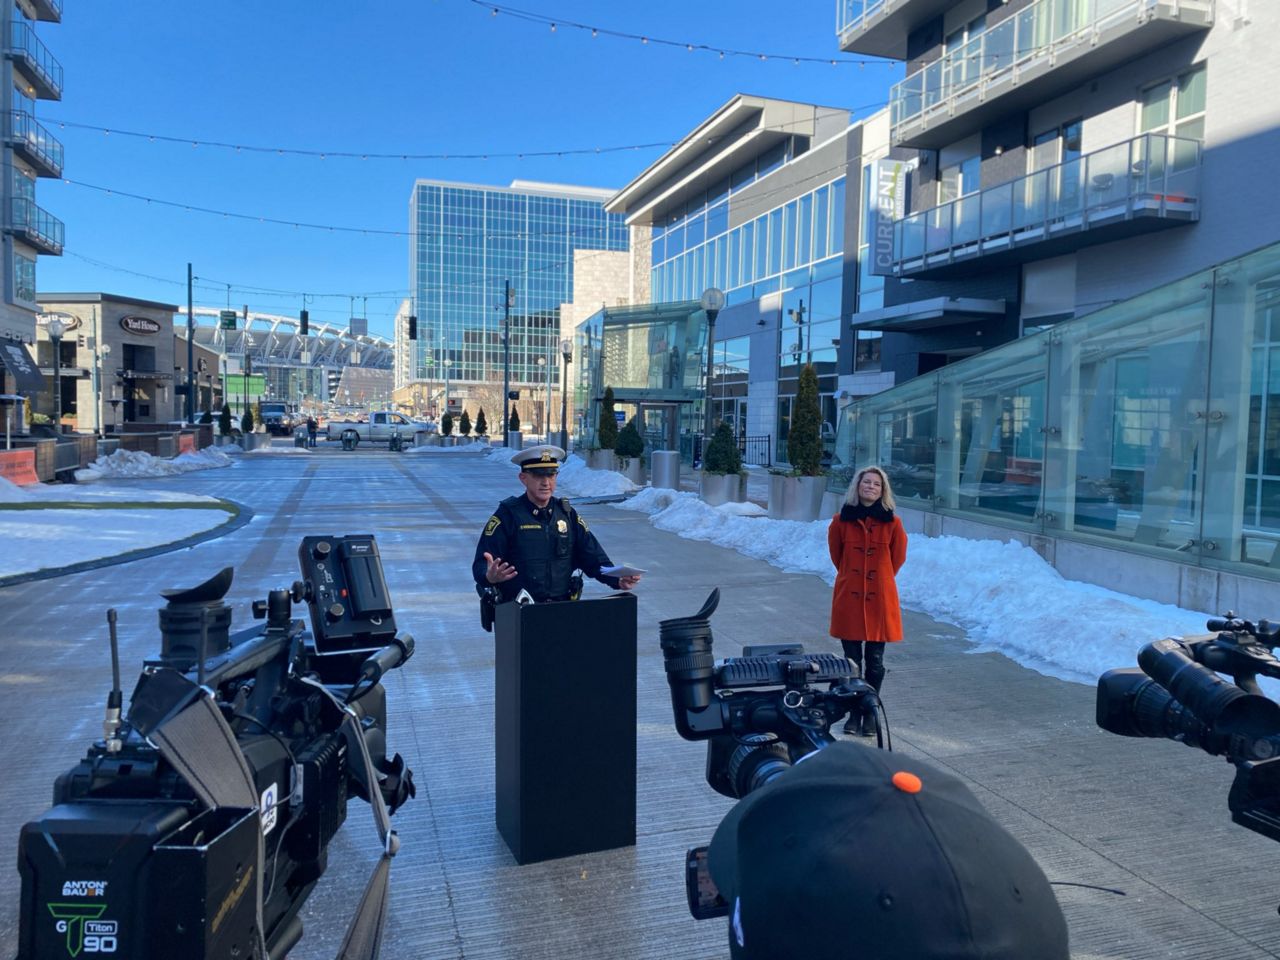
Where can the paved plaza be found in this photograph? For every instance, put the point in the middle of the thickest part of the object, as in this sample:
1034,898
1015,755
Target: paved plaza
1149,819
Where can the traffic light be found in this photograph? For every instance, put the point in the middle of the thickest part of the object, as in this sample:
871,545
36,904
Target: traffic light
304,319
413,327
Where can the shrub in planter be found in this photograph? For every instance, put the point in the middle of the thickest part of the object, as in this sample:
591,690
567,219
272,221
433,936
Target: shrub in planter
722,455
607,433
207,416
446,424
630,443
482,427
246,422
804,443
224,422
513,424
464,425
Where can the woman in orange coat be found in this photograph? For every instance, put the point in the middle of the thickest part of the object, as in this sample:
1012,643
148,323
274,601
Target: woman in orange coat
868,547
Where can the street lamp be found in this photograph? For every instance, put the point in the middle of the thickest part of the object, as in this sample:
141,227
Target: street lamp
56,329
103,353
245,369
712,303
797,314
542,362
566,357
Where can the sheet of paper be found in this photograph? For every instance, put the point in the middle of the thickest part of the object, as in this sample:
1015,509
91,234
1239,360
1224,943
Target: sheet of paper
622,570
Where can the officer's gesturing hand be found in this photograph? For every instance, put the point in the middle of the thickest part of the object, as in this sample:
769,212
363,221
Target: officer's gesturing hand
498,570
627,583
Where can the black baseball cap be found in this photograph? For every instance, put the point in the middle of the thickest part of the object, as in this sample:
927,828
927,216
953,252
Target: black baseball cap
863,854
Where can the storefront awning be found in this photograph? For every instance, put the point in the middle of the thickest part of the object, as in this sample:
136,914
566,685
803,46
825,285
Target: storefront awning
928,314
15,358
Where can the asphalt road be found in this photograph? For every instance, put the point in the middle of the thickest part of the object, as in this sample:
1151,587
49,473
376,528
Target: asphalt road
1146,818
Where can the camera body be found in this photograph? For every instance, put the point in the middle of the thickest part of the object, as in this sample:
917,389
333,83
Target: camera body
135,861
1178,694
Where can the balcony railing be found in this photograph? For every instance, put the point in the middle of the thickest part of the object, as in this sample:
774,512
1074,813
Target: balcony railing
36,225
1035,37
35,143
852,14
50,10
1152,175
46,72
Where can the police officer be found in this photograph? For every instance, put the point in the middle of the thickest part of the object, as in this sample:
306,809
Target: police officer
535,542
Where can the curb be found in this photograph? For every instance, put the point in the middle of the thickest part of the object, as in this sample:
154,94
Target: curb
241,514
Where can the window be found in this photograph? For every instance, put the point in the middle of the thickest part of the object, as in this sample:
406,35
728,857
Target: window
1176,108
959,179
24,278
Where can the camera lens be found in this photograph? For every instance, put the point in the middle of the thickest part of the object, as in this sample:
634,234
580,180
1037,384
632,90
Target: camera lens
686,653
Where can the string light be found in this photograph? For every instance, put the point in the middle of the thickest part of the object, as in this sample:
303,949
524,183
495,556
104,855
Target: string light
532,17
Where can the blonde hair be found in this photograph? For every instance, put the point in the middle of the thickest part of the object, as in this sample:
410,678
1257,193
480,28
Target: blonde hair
886,489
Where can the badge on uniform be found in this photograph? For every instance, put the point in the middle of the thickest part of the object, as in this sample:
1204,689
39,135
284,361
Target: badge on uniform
562,526
491,526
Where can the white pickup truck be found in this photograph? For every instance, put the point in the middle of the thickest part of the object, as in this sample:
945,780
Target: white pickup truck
381,426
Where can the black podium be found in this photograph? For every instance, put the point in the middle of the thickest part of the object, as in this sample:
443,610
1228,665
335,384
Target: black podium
565,726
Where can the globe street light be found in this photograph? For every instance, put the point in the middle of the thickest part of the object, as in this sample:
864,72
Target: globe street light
542,362
56,329
566,357
712,303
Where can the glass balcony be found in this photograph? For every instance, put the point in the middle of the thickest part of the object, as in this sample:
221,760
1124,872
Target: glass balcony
1031,56
36,145
49,10
1146,426
1147,183
36,226
35,61
880,28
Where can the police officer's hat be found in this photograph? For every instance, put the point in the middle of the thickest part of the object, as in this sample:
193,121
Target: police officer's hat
540,459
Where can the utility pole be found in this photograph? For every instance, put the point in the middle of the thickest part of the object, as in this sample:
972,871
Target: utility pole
508,300
244,364
191,352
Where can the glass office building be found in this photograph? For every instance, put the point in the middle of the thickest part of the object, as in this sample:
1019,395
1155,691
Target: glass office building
466,242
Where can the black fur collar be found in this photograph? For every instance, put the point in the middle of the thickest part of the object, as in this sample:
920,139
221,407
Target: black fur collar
856,511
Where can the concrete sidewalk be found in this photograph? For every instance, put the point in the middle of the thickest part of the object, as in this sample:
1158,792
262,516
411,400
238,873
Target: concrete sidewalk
1146,818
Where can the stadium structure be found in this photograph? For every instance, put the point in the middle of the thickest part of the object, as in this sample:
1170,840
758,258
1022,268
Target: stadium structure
330,370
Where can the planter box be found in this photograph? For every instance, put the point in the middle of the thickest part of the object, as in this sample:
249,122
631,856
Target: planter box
717,488
602,460
796,498
515,439
633,469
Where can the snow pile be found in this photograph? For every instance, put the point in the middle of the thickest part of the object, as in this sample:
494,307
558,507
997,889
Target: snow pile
579,480
135,463
1005,596
475,446
278,451
10,492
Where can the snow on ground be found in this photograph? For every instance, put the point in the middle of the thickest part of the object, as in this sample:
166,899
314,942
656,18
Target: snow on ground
1004,595
475,446
135,463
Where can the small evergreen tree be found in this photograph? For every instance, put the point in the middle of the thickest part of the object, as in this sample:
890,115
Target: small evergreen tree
207,415
722,454
607,434
446,424
514,424
224,421
464,425
482,427
804,442
630,442
246,422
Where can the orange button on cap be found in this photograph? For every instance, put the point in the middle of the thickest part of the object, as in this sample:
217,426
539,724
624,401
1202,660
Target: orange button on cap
907,782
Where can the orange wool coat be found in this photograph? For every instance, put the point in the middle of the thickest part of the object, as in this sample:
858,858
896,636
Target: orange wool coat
867,554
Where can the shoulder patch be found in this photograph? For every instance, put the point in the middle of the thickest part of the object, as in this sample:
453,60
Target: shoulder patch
584,523
492,525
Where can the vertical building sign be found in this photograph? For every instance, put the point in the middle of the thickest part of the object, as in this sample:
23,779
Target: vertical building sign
888,203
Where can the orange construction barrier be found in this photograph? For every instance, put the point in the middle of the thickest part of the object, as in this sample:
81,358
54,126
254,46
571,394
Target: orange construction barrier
18,466
186,443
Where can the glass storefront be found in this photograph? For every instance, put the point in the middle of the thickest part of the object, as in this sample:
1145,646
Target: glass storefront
1153,425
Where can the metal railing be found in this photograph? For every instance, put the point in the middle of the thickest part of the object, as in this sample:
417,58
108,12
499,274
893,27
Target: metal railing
1152,173
26,130
851,14
24,44
36,224
756,451
1031,36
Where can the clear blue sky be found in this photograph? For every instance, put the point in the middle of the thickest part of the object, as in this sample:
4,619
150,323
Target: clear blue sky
397,76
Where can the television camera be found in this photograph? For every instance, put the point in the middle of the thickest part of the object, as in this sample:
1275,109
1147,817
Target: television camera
198,825
759,713
1178,694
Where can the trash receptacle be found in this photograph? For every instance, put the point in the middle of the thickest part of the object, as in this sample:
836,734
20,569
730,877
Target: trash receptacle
300,438
394,444
665,465
349,439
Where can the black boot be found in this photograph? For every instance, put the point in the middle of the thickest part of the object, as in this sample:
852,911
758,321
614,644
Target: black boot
851,726
868,725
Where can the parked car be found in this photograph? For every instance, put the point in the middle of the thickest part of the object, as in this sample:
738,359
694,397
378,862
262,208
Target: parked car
380,426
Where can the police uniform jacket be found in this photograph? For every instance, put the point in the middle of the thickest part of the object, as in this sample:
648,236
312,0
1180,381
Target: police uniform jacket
544,544
868,547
